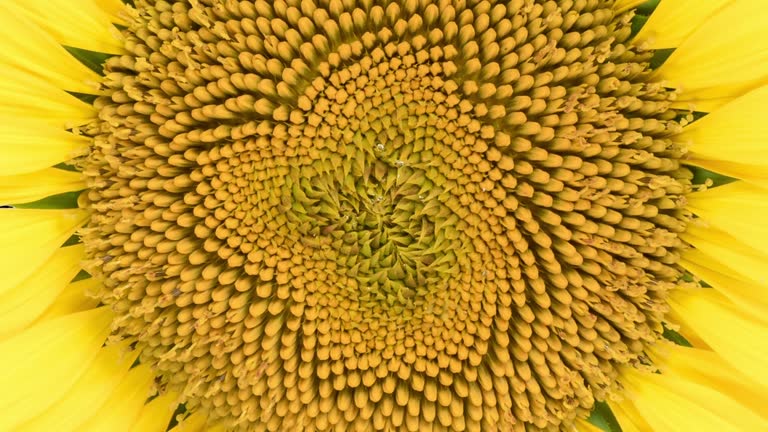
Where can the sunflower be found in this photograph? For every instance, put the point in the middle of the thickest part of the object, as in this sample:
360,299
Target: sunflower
357,215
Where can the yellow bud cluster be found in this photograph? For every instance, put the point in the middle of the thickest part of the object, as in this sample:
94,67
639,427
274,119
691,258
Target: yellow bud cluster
357,215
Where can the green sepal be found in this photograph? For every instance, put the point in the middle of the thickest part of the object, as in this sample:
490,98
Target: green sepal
66,200
603,417
91,59
648,7
675,337
701,175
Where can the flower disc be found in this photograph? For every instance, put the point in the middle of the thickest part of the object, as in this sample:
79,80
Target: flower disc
385,215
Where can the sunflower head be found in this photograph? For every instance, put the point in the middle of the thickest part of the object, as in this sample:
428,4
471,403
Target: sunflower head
412,215
410,210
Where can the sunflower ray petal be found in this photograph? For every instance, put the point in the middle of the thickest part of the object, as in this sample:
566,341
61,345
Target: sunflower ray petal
629,419
26,150
726,64
746,294
673,21
37,185
744,260
751,173
72,299
21,305
28,49
625,5
733,133
37,381
706,368
115,8
195,422
585,426
737,208
79,23
672,404
29,238
734,336
124,404
89,393
156,415
29,100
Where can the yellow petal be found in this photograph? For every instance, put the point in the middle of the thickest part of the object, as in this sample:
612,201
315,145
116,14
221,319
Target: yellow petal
156,415
625,5
734,133
629,419
29,147
76,23
42,363
689,335
29,102
585,426
755,174
195,422
29,49
73,299
122,408
672,404
673,21
738,208
706,368
88,395
115,8
695,101
29,237
22,305
24,188
725,56
736,337
744,260
748,295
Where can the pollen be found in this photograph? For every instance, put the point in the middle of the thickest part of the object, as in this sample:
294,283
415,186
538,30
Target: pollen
317,215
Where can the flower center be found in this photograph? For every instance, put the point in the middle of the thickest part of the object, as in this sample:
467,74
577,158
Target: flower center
376,215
